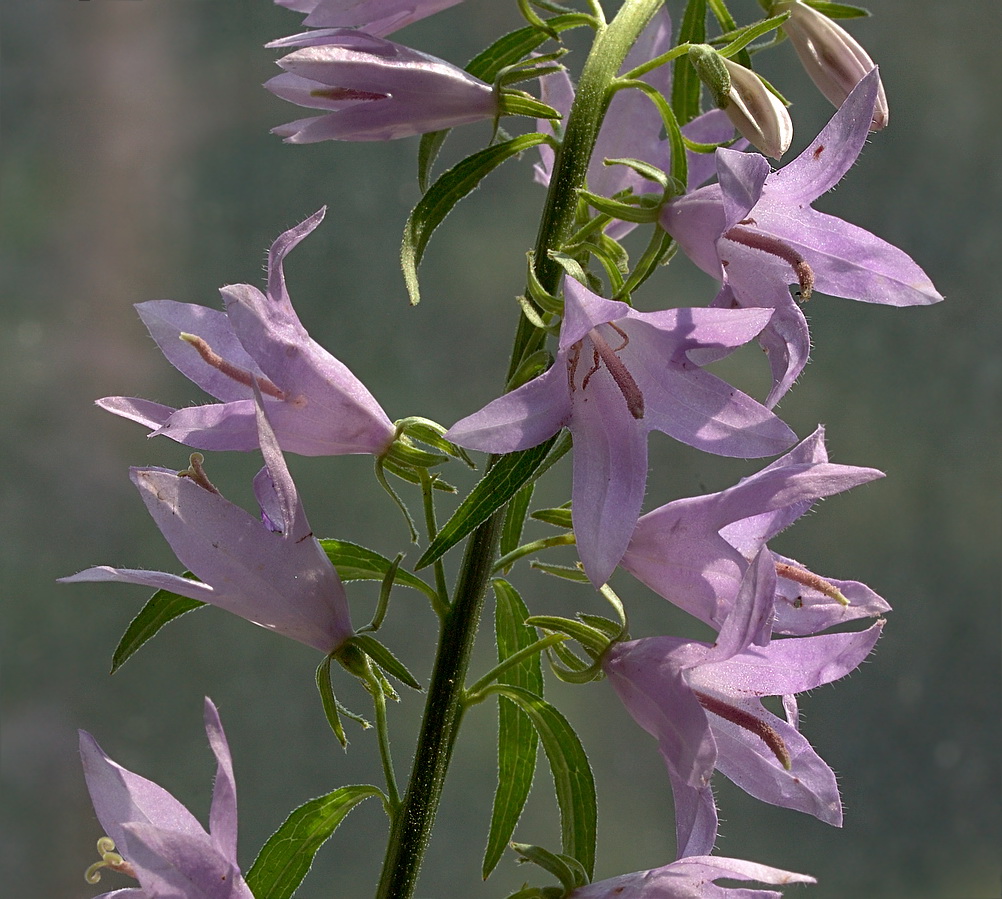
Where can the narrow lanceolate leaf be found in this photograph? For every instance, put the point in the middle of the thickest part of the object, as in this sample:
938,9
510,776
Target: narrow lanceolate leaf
357,563
162,607
516,45
686,86
514,519
572,777
498,486
445,193
517,738
286,858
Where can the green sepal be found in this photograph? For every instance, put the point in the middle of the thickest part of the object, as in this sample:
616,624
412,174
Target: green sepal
530,367
286,857
498,486
560,517
570,265
539,294
406,473
428,150
329,700
161,608
520,103
566,869
538,893
594,641
409,456
358,563
838,10
517,740
572,776
643,212
567,572
384,659
432,434
440,199
648,171
741,38
686,86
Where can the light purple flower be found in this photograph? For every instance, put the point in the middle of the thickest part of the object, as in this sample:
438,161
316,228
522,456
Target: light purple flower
618,375
160,842
269,570
695,551
692,878
378,17
315,404
755,231
373,89
702,703
632,128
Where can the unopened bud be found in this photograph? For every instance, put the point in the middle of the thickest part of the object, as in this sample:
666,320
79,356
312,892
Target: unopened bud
755,111
831,56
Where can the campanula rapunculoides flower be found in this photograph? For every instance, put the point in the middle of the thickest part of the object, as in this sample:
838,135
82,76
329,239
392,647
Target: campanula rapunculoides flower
378,17
831,56
270,570
620,374
632,127
315,404
695,551
702,703
755,232
692,878
373,89
156,839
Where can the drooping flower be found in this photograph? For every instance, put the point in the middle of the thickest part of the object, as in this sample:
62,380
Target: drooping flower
632,127
378,17
373,89
315,404
833,58
270,570
755,232
695,551
702,703
155,838
618,375
692,878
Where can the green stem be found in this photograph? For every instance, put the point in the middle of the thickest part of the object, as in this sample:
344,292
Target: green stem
382,729
410,831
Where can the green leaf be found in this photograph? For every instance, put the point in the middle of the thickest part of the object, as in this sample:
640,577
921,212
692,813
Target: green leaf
517,738
572,777
838,10
567,572
286,858
162,607
514,518
560,518
567,870
499,485
726,22
451,186
516,45
357,563
428,149
385,659
686,86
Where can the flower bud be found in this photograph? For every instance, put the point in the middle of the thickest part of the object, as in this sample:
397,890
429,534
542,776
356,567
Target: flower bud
831,56
757,113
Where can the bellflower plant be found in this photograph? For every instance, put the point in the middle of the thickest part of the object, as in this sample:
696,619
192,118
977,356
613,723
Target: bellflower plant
584,358
269,570
702,703
695,551
620,374
155,839
315,404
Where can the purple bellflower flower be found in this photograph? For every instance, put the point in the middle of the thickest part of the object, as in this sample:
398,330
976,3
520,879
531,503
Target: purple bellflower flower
632,128
269,570
378,17
618,375
156,839
755,231
702,703
695,551
373,89
691,878
315,404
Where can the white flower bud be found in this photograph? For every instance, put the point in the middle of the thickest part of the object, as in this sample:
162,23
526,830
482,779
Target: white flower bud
831,56
756,112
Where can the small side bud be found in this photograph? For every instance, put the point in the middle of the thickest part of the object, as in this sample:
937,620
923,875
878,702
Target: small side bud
755,111
831,56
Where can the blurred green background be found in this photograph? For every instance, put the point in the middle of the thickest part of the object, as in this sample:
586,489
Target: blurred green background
137,164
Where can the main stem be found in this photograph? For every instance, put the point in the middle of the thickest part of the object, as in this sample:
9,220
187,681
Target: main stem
410,831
